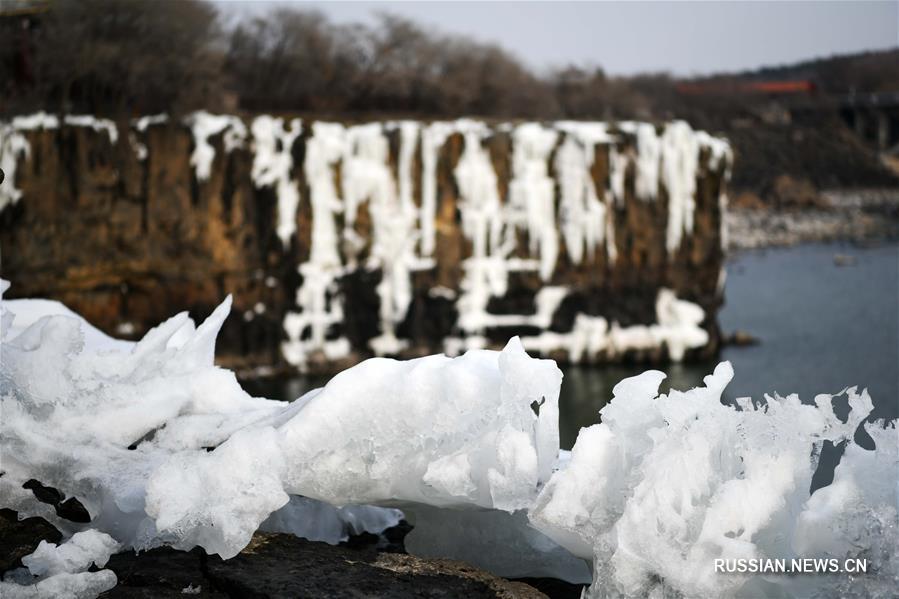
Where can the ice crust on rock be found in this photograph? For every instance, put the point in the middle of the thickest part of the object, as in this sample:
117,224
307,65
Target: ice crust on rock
554,204
665,485
61,571
205,125
677,328
273,165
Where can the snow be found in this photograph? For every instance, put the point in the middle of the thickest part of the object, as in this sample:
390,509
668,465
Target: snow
31,311
273,165
79,404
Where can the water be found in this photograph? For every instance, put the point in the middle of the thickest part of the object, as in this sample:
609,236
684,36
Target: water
822,327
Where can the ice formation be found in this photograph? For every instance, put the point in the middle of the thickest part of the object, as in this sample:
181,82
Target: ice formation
680,163
677,328
13,148
583,213
272,166
554,206
665,485
319,306
53,572
162,447
205,125
99,125
126,429
532,192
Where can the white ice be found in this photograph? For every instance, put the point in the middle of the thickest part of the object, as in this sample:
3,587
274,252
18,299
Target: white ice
552,199
665,485
62,571
273,165
162,447
204,125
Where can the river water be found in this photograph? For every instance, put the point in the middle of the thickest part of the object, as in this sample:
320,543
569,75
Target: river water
826,316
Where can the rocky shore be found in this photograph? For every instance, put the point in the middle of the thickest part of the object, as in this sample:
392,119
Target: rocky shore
285,566
858,216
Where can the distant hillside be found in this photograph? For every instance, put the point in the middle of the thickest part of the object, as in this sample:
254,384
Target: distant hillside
868,71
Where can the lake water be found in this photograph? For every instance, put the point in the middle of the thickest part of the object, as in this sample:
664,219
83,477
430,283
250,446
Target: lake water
822,327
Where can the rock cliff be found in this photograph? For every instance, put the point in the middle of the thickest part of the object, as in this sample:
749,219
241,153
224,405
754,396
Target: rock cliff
591,241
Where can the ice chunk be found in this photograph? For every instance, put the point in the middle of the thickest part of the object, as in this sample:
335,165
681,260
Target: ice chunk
218,499
83,585
75,555
666,485
162,447
126,431
60,571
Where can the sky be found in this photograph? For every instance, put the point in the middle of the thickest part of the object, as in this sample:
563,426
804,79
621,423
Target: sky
628,37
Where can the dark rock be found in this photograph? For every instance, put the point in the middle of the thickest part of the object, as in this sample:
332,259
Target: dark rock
740,339
69,509
72,510
19,538
43,493
284,566
163,573
275,566
555,588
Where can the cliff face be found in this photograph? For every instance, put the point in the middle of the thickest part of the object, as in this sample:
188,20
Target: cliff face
592,242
